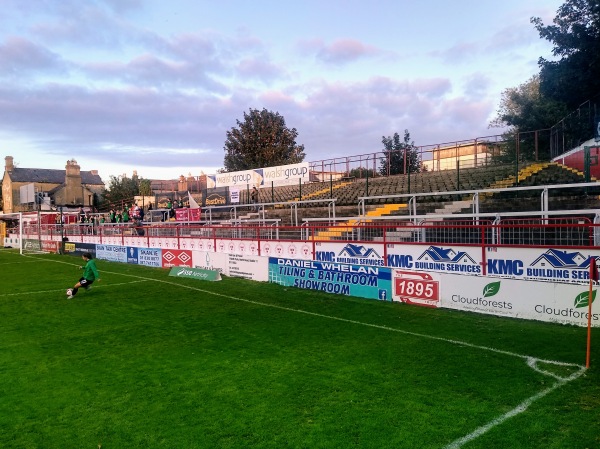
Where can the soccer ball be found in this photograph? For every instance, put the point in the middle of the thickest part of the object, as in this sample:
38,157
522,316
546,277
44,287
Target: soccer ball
69,291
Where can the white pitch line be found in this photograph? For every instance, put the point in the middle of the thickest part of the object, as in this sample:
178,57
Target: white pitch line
514,412
95,286
361,323
531,361
527,358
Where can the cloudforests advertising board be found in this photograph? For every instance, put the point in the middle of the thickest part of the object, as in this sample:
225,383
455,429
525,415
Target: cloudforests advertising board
352,280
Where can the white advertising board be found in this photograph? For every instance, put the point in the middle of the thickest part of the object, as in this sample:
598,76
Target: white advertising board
233,264
260,176
544,301
350,253
285,174
234,195
112,253
205,245
290,250
436,258
209,260
249,267
542,264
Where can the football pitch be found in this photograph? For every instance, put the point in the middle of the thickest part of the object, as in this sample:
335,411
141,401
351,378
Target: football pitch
144,360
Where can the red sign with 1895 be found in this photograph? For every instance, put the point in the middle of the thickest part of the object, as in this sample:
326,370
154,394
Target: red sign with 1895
416,288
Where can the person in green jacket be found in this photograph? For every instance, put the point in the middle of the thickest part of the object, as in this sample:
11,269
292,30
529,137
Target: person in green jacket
90,274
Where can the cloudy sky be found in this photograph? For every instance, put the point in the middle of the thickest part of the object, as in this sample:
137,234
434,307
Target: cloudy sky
154,85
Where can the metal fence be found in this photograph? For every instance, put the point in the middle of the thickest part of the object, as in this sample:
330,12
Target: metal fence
570,231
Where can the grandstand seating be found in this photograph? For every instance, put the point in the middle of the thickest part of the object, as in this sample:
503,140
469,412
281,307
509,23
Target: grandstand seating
347,193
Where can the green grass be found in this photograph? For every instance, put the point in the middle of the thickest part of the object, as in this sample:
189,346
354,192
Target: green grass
144,360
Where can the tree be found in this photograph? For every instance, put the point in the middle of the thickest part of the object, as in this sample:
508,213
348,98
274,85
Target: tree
362,172
145,187
523,109
122,190
575,33
395,153
261,140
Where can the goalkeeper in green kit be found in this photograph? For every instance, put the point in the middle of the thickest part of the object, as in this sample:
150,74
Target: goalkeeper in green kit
90,274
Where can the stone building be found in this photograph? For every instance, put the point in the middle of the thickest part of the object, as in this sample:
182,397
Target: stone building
70,187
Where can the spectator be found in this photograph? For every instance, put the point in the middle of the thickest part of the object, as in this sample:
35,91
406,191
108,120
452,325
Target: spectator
81,215
139,230
136,212
254,197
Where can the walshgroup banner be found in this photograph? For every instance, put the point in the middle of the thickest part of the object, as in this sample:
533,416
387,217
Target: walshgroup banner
260,176
344,279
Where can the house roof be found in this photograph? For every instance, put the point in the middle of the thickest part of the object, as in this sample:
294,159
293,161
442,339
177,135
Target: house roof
50,176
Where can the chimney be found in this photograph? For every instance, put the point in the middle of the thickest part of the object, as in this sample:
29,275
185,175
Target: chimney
94,172
73,168
8,162
74,189
182,184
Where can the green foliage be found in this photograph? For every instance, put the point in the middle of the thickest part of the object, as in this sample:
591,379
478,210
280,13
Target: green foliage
563,84
145,187
524,109
362,172
575,33
399,155
261,140
122,189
